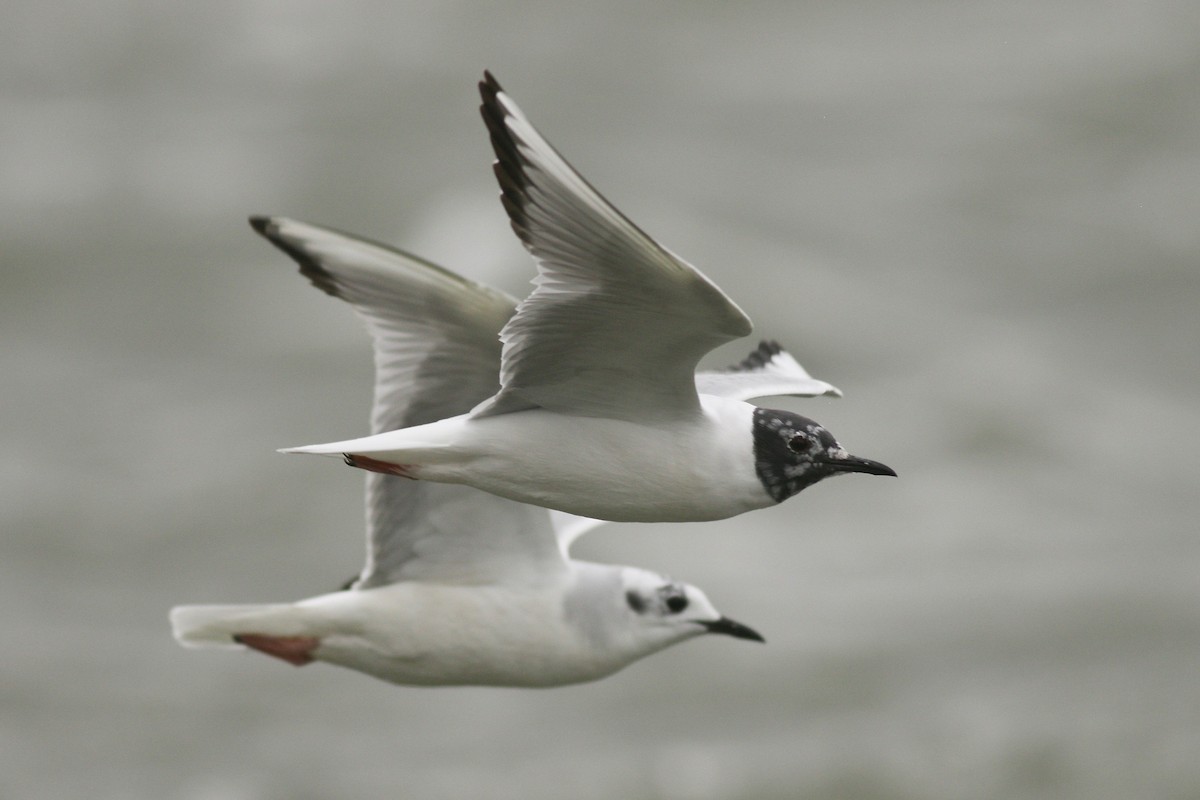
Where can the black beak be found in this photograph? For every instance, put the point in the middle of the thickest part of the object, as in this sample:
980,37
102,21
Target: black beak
855,464
735,629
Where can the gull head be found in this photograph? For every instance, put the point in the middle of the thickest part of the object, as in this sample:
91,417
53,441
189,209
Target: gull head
792,452
660,611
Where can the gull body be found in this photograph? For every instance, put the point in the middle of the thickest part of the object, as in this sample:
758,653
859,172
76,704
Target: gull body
571,626
597,409
680,470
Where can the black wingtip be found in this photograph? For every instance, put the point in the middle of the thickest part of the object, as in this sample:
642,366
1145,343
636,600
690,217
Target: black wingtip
261,224
493,114
759,357
489,87
509,166
310,267
489,83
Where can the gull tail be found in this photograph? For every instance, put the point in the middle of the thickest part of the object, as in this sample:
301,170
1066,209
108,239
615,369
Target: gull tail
216,626
397,443
331,449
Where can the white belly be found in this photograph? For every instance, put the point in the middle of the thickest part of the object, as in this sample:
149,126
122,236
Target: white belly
701,469
432,635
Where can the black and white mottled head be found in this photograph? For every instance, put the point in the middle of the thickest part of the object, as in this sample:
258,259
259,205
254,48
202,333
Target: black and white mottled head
792,452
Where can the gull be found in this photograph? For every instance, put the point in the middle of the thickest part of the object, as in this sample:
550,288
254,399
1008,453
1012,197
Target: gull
597,411
462,587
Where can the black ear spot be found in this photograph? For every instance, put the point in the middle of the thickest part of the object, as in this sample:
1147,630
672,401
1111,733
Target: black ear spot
635,601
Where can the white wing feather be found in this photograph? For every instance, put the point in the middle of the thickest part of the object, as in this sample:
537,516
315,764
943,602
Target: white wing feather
616,324
436,355
769,371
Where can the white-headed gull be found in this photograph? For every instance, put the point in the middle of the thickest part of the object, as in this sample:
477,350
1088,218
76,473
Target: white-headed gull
597,412
461,587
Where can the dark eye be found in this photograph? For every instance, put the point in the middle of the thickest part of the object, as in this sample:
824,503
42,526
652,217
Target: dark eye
676,603
798,444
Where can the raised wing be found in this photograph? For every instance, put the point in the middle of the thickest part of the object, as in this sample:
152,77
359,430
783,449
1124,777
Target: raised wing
436,356
616,324
769,371
434,331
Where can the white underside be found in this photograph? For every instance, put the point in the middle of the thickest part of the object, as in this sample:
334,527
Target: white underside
425,634
693,470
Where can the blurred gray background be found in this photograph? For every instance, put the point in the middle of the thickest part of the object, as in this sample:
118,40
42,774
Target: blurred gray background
979,220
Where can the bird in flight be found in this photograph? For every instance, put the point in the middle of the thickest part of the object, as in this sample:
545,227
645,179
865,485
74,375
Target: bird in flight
597,410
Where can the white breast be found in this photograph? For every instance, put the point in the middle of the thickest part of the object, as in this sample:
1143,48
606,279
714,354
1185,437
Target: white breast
431,634
698,469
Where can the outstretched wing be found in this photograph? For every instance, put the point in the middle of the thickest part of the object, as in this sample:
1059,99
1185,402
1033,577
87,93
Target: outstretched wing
769,371
434,331
436,356
616,324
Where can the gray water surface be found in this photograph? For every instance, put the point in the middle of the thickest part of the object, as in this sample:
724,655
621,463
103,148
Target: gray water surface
979,220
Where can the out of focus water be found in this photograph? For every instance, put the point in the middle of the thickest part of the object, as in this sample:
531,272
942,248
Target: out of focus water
979,220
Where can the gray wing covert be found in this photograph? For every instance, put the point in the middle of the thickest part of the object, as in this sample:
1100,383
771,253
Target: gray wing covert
437,355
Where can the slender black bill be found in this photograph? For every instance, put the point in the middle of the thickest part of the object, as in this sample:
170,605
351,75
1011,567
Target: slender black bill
735,629
855,464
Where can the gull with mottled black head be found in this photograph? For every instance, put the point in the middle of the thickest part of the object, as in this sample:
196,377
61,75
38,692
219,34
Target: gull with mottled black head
597,410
